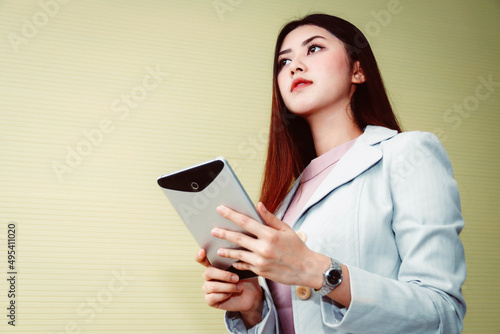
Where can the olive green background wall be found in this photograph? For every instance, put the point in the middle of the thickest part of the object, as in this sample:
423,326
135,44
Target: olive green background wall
99,98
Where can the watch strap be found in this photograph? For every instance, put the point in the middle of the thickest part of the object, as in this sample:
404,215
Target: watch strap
335,270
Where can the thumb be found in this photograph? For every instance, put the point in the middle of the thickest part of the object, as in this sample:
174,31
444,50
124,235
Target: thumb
201,257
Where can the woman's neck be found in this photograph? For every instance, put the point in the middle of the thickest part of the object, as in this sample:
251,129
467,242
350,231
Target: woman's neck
330,130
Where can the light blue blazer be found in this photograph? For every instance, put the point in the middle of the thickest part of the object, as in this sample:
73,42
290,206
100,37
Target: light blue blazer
390,211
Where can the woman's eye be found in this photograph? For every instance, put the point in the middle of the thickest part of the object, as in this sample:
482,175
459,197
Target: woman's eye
283,62
313,49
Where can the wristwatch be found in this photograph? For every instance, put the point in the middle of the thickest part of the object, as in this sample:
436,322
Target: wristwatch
333,277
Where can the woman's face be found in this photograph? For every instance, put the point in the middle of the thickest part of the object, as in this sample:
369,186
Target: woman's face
315,74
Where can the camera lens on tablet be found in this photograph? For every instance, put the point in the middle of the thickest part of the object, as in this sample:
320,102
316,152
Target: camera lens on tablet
195,186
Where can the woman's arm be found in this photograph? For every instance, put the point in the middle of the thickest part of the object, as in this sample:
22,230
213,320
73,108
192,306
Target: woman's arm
426,224
425,296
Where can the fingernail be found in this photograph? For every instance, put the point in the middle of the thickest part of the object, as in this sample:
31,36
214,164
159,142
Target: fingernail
221,210
234,278
215,232
220,252
264,208
239,287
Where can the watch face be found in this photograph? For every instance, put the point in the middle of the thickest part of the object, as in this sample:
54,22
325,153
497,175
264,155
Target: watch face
334,276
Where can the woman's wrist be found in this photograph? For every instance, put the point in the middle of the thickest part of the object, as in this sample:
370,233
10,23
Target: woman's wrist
319,264
342,293
253,316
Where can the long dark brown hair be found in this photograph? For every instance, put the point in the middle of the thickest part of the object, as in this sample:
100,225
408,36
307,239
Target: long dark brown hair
291,146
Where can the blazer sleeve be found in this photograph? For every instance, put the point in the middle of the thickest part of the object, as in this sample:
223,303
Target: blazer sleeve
426,296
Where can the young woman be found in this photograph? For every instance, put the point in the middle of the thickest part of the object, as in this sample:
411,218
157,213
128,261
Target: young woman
362,220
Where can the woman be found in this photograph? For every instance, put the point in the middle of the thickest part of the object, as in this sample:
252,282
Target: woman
364,214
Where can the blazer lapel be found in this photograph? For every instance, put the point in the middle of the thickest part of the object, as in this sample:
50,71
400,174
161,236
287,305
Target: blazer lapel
358,159
353,163
280,212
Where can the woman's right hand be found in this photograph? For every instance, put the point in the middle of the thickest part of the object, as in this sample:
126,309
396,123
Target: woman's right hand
224,290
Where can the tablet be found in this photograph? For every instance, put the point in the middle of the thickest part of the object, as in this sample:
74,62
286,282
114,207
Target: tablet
195,193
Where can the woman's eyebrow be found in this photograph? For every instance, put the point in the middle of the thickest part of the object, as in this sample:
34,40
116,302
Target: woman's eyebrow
304,43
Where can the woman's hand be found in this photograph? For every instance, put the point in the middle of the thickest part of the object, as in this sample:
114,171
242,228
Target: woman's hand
224,290
277,253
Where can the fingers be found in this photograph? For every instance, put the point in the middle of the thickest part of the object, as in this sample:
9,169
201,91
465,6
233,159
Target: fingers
245,257
214,274
270,219
219,286
201,257
242,220
251,225
266,233
244,266
238,238
215,299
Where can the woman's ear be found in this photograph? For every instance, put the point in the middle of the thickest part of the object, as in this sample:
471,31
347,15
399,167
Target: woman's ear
358,75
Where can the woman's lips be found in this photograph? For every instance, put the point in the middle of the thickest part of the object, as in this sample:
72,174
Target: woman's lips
298,83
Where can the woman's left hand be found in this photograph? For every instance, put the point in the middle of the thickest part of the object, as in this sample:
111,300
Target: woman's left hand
276,252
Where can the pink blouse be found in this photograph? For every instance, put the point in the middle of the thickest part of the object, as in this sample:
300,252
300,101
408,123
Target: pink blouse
311,178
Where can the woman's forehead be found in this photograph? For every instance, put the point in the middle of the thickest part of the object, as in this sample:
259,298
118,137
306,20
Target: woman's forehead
300,34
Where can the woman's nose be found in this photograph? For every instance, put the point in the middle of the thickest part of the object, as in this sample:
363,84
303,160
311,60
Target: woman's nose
296,66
